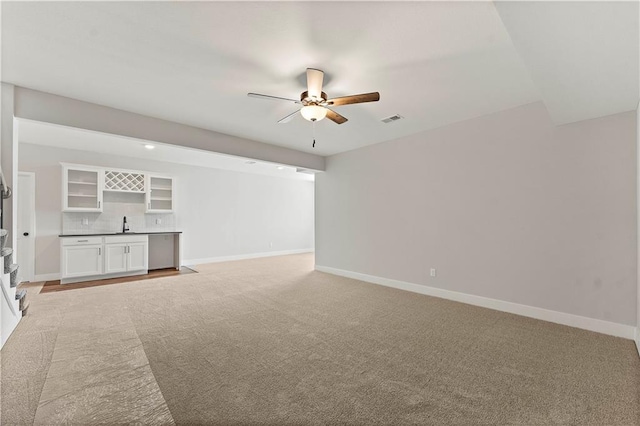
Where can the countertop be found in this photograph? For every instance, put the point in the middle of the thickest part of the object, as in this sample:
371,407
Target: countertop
102,234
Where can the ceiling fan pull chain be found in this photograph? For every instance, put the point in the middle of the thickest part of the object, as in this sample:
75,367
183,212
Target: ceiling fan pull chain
313,123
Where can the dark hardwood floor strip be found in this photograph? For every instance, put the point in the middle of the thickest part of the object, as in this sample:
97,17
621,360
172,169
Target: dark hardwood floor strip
53,286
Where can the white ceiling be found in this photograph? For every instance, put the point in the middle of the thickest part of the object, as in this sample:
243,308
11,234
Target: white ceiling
434,63
38,133
582,56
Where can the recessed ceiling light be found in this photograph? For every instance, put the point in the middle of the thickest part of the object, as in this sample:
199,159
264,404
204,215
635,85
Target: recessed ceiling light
149,146
279,167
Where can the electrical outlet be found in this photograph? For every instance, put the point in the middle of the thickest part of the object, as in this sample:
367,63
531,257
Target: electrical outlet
433,272
158,221
85,221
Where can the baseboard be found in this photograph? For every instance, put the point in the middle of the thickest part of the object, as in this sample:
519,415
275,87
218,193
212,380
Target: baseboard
591,324
244,256
638,339
46,277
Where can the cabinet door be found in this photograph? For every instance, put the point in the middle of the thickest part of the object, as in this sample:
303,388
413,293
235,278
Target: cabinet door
80,261
160,194
138,257
115,258
82,189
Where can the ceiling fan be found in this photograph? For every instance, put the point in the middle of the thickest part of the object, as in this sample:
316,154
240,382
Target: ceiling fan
315,102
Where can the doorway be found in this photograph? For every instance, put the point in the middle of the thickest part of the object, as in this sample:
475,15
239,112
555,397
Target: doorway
26,199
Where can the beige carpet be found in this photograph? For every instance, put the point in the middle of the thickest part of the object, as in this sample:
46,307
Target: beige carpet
270,341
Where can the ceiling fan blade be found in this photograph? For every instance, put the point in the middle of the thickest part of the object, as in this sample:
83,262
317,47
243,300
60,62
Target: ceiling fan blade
314,82
335,117
272,98
354,99
288,117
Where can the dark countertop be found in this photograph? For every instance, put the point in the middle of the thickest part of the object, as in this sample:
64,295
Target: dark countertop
110,234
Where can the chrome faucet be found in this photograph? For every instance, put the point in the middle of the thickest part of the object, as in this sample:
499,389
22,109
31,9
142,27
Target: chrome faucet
125,226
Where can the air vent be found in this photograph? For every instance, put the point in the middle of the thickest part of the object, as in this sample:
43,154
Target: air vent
392,118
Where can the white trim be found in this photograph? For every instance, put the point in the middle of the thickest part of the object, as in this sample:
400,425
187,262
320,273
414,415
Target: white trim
46,277
103,276
192,262
591,324
32,227
638,339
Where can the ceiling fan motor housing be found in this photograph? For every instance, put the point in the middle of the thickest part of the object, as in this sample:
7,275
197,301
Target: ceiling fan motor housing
310,100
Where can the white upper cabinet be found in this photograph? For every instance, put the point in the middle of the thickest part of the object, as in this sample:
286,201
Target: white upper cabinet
81,188
124,181
160,194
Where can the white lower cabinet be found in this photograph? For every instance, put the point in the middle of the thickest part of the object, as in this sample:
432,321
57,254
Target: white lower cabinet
93,257
126,253
138,256
115,259
81,260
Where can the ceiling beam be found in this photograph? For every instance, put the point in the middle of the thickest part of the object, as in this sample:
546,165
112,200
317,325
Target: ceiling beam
46,107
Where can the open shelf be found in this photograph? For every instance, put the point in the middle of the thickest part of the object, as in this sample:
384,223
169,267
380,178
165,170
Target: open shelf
83,183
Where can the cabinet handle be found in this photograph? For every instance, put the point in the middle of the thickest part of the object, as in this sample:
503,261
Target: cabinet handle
98,204
99,251
82,241
149,206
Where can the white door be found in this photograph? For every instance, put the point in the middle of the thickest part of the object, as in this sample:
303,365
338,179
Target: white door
138,258
115,259
82,260
25,252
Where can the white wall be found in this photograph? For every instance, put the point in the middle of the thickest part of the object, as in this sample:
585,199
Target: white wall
222,213
638,218
9,160
506,206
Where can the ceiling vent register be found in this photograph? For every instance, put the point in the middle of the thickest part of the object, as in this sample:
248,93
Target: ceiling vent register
123,181
392,118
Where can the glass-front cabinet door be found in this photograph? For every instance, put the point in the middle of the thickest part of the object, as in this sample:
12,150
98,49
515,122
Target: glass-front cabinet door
160,194
81,189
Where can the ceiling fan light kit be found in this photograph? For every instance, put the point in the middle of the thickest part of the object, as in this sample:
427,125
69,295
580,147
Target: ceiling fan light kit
313,112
